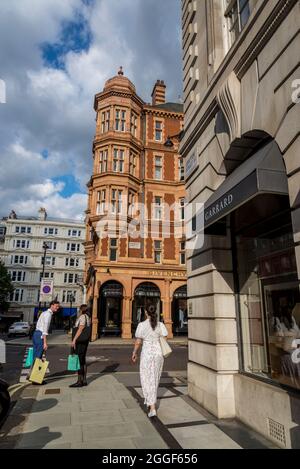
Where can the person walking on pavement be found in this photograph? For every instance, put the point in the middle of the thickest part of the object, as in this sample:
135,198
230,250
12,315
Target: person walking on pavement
41,332
148,333
81,337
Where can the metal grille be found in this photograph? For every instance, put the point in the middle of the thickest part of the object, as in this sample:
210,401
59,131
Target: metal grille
147,289
277,431
52,391
181,292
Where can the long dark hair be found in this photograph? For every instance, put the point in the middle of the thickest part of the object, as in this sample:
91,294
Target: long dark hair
151,311
84,309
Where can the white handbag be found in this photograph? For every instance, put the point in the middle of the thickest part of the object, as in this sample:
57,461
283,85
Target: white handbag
165,347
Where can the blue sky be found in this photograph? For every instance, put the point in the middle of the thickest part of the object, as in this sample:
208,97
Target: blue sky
75,36
62,55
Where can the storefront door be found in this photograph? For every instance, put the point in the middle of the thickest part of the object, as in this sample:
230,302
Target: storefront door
146,294
110,309
179,312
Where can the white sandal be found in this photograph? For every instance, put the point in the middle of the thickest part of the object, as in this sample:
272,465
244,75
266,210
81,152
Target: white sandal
152,413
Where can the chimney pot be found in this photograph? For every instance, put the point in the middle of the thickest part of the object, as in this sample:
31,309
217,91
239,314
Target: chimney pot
42,214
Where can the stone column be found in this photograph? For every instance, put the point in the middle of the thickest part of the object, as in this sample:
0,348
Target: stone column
126,318
166,309
213,350
95,312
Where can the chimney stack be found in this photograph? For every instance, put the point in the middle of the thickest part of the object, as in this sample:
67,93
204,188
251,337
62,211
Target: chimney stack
12,215
42,214
159,93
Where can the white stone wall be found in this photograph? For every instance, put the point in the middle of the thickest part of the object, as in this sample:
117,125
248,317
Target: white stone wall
244,89
34,267
266,402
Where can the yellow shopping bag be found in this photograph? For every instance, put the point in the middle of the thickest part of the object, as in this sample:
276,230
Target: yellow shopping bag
38,371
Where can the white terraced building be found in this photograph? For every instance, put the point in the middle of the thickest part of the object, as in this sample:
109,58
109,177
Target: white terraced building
21,249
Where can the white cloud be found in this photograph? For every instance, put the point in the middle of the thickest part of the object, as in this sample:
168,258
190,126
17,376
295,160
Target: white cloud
25,191
53,109
71,207
46,189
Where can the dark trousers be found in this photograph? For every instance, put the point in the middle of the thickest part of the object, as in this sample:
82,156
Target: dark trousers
81,350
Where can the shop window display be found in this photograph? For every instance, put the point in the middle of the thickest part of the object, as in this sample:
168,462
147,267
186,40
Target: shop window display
269,300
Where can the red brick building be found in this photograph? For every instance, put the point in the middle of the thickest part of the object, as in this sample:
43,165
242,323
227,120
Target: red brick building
135,247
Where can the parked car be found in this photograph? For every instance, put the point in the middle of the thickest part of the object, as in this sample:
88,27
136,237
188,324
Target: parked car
4,399
19,328
7,320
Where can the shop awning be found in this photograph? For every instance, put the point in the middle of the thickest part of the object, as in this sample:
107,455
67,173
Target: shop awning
262,173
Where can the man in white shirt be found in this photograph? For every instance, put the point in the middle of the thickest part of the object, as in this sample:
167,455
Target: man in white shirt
42,330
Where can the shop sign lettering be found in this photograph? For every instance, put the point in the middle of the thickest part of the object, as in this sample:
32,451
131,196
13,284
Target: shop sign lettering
218,207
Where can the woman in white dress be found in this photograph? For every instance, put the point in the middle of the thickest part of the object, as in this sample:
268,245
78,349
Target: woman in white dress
152,360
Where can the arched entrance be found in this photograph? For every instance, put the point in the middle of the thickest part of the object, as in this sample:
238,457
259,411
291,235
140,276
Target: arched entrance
110,309
179,311
145,294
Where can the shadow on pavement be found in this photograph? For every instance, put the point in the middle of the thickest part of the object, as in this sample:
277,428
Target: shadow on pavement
26,406
11,430
31,440
107,370
110,369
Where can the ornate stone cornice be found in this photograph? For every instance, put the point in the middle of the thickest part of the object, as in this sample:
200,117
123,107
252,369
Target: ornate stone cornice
117,94
229,101
121,177
163,113
113,138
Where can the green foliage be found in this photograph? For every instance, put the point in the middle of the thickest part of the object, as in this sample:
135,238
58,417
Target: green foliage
6,287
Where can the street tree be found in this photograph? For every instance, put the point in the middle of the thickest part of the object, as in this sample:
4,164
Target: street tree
6,287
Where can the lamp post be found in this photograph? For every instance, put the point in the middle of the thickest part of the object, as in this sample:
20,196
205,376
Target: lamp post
72,300
80,284
169,142
45,247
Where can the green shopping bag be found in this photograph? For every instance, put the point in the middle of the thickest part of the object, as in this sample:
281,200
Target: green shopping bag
29,358
73,363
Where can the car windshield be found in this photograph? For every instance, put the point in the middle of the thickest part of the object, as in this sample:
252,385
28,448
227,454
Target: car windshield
20,324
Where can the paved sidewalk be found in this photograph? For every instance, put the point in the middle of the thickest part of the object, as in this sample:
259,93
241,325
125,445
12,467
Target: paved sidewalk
109,414
102,415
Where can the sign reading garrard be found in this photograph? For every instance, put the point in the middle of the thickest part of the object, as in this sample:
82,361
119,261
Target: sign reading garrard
218,207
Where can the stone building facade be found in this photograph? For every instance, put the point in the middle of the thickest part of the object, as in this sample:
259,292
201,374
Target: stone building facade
21,249
132,260
242,157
